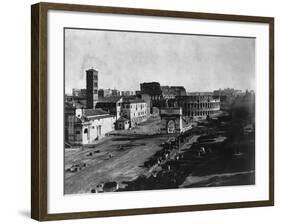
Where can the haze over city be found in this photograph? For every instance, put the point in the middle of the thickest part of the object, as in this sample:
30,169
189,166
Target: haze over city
126,59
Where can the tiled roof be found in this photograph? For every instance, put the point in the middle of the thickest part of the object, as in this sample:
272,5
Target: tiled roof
85,119
94,112
100,117
111,99
134,100
122,119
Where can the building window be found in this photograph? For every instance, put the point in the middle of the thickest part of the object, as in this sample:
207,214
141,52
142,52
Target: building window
86,131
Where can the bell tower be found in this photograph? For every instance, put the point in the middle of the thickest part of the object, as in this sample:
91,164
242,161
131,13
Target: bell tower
92,88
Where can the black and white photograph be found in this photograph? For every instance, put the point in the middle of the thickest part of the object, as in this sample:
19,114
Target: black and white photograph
157,111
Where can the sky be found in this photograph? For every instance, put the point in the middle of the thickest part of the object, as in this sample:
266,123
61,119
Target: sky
126,59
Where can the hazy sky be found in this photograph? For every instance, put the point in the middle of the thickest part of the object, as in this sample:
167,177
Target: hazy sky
125,59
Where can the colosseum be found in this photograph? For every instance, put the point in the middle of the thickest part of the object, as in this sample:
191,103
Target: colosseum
198,104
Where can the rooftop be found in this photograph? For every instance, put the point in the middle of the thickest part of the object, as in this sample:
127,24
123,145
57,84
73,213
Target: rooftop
200,93
94,112
135,100
111,99
121,119
101,117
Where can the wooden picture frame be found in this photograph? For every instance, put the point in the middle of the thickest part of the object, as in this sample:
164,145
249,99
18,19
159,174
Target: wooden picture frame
39,108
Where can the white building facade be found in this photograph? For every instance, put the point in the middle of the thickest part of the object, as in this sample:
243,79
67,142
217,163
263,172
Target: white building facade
135,110
92,125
